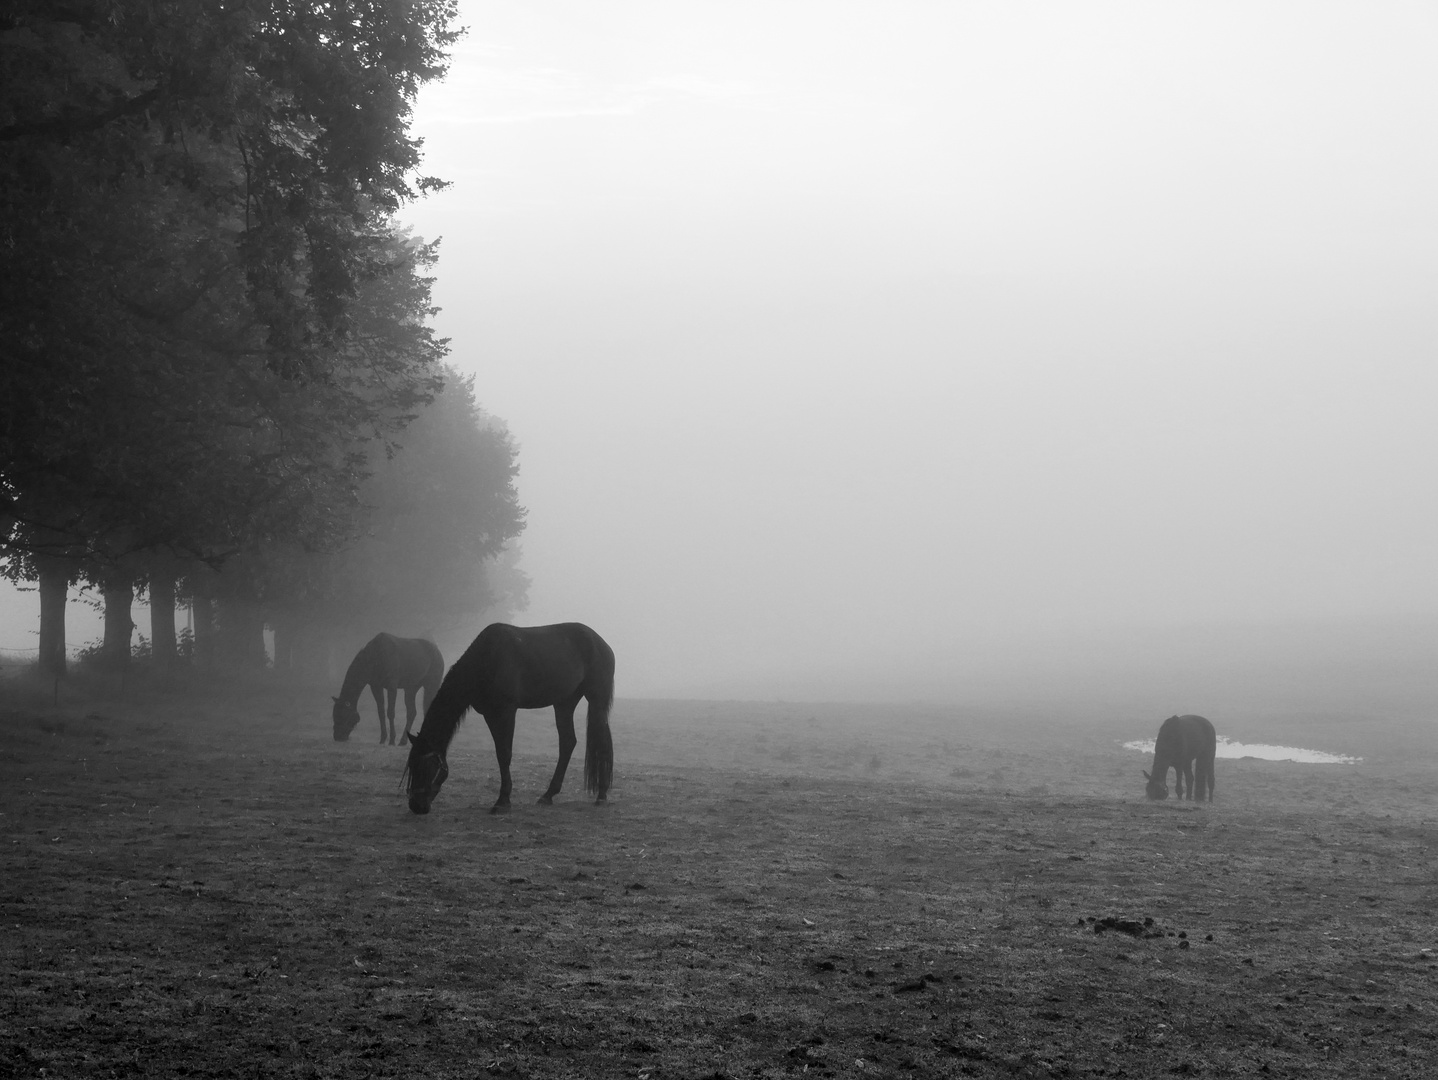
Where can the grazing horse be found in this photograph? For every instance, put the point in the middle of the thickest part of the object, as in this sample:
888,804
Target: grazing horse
520,667
386,665
1182,741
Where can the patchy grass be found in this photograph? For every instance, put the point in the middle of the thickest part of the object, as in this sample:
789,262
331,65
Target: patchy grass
218,889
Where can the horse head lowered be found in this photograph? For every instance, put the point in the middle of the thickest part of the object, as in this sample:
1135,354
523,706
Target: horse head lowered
424,774
346,716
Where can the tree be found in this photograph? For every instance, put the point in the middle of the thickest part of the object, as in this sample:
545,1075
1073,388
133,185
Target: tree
55,576
436,550
192,199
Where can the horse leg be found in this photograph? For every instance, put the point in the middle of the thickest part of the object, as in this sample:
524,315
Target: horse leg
564,721
409,708
390,693
1185,778
379,704
501,728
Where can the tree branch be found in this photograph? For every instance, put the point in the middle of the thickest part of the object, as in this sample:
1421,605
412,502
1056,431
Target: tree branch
73,124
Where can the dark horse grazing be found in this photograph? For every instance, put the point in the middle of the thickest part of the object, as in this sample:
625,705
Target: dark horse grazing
1182,741
388,664
508,668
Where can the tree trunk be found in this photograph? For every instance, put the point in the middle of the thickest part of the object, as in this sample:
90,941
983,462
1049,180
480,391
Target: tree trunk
162,618
290,640
283,660
119,626
54,589
202,613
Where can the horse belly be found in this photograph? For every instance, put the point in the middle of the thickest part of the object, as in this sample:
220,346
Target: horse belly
552,691
545,701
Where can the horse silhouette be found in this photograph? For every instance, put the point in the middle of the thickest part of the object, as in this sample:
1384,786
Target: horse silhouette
387,665
1187,745
508,668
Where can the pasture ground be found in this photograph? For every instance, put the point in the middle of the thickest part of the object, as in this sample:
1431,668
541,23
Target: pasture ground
773,890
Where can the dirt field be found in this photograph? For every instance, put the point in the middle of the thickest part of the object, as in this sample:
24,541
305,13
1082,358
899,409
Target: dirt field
773,890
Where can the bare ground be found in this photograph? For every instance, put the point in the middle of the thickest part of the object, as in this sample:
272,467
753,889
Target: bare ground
773,890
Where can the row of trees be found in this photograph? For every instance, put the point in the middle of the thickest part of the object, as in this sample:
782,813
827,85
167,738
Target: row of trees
436,545
215,332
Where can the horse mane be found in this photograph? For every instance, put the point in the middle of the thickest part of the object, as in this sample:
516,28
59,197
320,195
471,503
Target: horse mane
434,677
444,714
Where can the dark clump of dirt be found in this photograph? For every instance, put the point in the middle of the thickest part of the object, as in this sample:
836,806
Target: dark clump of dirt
1133,927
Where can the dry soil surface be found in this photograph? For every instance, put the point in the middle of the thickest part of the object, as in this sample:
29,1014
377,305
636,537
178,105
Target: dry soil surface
772,890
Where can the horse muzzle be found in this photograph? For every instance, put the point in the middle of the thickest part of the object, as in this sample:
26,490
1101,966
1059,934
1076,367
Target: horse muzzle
418,805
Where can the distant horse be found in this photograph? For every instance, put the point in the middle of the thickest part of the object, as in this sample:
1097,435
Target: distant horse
1182,741
520,667
386,665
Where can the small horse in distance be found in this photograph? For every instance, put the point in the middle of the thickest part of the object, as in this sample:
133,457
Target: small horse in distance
508,668
1187,745
386,665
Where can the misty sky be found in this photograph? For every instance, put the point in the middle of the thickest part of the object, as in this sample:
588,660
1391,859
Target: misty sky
849,341
842,338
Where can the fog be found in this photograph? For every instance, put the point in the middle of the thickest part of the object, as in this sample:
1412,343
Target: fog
920,351
861,350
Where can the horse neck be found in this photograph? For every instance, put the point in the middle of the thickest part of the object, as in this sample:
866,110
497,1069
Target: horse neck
442,717
1163,759
355,678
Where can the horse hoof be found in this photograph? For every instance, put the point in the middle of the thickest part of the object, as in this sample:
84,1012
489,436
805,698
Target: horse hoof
499,809
545,800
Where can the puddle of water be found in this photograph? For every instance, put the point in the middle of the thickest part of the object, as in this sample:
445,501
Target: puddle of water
1229,749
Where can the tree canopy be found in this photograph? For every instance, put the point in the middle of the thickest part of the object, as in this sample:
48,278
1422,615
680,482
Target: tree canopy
440,513
208,309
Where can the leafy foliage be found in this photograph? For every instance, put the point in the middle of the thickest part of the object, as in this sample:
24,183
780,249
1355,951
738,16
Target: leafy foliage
207,308
441,512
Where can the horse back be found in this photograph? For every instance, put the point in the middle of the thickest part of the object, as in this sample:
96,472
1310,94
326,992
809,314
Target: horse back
532,667
1184,738
402,663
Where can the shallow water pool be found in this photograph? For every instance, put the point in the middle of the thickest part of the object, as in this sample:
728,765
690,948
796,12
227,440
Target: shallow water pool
1229,749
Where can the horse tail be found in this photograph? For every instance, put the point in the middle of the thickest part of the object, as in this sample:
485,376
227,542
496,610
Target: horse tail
1210,752
598,741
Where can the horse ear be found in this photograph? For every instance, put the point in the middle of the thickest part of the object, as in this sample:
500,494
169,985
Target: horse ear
1146,776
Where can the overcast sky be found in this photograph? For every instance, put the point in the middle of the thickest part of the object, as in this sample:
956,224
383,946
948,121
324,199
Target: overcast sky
852,347
848,339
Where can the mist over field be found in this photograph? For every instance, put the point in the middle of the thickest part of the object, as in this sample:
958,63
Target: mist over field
916,402
979,353
918,352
